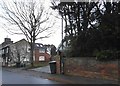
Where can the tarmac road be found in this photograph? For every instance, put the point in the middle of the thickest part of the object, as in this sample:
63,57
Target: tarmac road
16,78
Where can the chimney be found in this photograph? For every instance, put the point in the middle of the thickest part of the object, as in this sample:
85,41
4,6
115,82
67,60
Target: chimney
7,40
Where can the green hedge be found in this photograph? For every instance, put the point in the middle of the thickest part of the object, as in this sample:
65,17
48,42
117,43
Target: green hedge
106,55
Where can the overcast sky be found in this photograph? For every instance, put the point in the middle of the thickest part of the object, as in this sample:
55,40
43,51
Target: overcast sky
54,39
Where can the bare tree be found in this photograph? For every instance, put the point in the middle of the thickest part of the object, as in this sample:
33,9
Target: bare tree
30,17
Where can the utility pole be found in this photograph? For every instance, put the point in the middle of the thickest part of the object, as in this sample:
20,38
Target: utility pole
61,56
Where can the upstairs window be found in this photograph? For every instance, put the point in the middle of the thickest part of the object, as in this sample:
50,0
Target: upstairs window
7,50
3,51
41,50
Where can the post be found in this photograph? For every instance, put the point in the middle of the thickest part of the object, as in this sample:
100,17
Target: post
61,55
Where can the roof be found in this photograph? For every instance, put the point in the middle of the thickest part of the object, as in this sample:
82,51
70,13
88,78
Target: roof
40,46
20,41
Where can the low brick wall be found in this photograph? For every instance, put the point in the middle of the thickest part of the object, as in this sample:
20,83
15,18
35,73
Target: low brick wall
89,67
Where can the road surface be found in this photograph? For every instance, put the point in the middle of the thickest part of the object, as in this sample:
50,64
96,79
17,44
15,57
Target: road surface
15,78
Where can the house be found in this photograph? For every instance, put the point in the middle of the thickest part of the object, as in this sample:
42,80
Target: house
0,50
41,53
5,51
1,60
51,49
20,52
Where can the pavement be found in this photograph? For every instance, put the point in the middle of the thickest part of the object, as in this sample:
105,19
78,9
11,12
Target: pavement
44,72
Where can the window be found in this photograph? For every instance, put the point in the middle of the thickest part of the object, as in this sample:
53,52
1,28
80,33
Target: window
26,59
33,57
6,50
3,51
42,58
42,51
37,45
0,51
28,49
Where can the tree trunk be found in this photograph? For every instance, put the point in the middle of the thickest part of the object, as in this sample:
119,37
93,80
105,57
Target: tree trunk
32,45
32,53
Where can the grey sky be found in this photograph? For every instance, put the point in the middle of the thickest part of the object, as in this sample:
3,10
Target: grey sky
55,38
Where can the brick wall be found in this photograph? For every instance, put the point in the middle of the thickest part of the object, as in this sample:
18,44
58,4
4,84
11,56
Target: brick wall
89,67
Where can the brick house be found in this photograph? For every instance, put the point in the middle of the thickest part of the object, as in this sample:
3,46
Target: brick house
41,53
51,50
